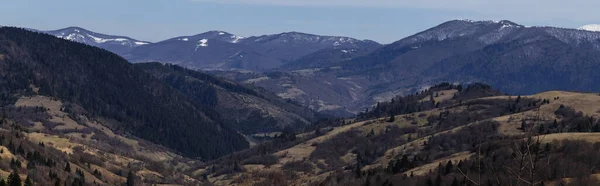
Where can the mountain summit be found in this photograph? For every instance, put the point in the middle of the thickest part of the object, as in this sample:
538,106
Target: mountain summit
116,44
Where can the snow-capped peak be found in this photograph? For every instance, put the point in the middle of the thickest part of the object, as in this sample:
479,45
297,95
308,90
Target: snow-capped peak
591,27
92,38
215,35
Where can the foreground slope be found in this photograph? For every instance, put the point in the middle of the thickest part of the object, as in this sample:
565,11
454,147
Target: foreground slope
466,139
111,89
46,144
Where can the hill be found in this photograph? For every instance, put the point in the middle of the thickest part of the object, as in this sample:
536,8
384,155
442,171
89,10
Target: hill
106,87
474,138
246,109
46,144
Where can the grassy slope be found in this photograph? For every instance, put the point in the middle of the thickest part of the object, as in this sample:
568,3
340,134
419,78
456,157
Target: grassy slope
110,153
584,102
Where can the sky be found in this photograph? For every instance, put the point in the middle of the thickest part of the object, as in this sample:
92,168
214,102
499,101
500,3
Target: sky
384,21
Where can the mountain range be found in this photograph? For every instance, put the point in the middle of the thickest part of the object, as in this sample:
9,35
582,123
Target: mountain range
512,57
164,104
72,113
325,72
217,50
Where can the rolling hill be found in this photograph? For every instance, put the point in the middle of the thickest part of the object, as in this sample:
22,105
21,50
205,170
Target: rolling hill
472,137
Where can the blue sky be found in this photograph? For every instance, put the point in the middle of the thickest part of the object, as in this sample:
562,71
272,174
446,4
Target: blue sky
380,20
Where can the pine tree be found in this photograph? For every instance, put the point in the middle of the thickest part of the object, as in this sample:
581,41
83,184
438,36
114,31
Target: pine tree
68,167
358,168
440,168
541,129
130,179
14,179
392,118
372,133
28,181
449,167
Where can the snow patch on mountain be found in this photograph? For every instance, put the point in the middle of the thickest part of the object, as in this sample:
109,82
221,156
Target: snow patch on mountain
91,38
236,39
201,43
590,27
348,51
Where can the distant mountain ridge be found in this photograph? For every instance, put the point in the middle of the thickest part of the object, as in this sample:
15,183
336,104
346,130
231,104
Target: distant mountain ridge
117,44
325,72
514,58
217,50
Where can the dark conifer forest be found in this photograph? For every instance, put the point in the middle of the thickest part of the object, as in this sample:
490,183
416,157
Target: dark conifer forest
107,86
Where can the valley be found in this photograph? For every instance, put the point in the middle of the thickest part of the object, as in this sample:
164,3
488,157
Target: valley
462,103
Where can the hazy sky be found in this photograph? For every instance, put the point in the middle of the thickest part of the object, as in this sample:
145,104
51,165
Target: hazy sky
380,20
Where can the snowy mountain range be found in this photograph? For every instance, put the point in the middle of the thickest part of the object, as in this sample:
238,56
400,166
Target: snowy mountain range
116,44
515,58
217,50
325,71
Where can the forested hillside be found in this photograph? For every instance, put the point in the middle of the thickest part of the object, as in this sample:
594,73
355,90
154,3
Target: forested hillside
447,135
249,110
110,88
